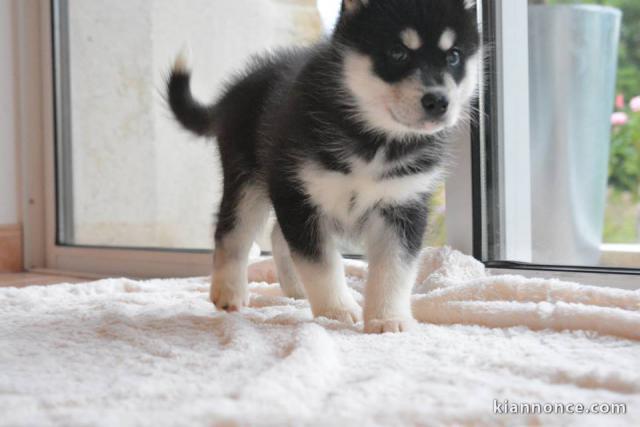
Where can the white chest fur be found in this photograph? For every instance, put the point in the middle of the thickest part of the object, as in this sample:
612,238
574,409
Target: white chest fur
347,197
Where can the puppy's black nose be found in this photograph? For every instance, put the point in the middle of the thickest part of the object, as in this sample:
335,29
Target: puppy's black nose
435,104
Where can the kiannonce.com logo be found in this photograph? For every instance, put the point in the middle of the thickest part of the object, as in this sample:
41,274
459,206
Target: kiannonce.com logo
507,407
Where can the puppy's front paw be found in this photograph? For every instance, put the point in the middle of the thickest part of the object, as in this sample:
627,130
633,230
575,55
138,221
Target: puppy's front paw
380,326
229,298
350,313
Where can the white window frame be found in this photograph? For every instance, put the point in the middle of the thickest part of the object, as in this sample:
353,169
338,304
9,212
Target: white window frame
38,192
512,52
513,112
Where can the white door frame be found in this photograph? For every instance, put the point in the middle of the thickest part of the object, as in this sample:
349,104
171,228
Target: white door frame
37,149
512,102
512,54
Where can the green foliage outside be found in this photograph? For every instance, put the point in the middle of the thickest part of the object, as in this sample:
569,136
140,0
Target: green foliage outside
622,218
622,222
624,174
437,230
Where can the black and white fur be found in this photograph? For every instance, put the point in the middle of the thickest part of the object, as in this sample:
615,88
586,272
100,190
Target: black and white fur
343,139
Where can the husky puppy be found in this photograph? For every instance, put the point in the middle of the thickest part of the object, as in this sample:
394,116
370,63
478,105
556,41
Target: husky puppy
343,139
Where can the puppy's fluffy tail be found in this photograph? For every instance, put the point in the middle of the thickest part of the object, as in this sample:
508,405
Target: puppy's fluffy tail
192,115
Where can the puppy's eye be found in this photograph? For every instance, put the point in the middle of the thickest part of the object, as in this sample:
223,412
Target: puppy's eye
454,58
398,54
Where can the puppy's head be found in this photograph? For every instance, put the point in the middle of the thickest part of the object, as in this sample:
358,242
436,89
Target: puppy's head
410,66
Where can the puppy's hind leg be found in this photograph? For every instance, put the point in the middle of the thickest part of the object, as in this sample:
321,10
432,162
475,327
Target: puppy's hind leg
287,276
243,211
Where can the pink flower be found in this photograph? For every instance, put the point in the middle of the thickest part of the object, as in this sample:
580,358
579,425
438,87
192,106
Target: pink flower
620,102
635,104
619,119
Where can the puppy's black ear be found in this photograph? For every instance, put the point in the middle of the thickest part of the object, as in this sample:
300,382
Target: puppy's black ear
349,7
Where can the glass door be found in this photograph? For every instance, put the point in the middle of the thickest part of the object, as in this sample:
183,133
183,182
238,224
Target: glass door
127,175
558,182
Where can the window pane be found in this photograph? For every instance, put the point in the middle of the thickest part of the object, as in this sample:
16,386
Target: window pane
128,175
584,138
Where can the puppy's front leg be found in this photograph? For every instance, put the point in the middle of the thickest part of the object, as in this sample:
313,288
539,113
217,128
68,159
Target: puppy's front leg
393,242
317,260
325,286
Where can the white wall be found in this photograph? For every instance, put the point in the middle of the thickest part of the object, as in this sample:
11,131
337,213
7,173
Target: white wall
8,117
140,182
138,178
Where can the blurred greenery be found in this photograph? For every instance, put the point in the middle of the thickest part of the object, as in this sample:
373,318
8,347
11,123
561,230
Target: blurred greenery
621,218
437,231
624,170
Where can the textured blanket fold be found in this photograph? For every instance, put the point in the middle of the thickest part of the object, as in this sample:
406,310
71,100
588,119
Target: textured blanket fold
455,289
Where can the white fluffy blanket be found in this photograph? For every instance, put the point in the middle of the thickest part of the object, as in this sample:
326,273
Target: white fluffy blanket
119,352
